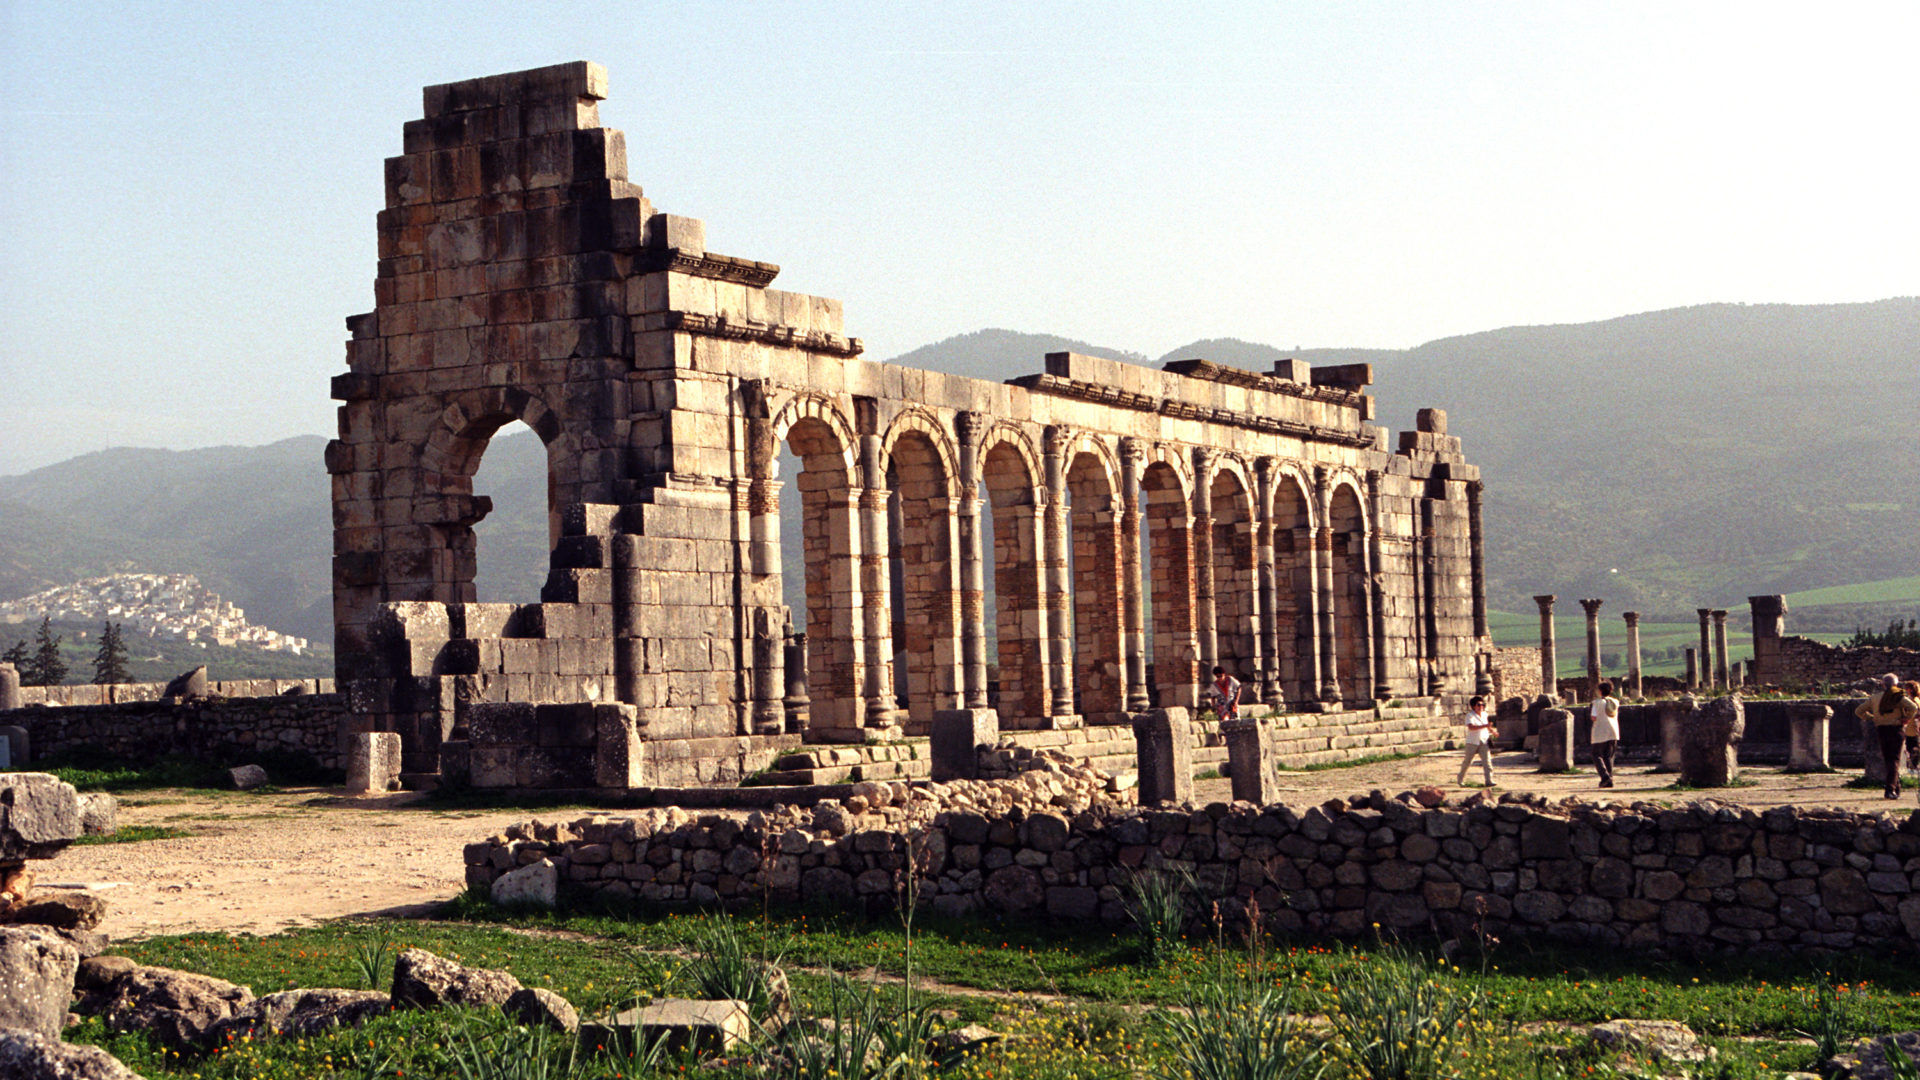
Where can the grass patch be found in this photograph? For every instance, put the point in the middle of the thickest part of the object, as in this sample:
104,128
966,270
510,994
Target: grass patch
1210,774
90,769
134,834
1736,782
1356,763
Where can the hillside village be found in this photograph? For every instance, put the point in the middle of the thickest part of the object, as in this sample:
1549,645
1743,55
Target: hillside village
165,606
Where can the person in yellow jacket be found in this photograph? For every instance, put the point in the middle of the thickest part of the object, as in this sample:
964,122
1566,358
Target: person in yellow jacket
1911,730
1890,711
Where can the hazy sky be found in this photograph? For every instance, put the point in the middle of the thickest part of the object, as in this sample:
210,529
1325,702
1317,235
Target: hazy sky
187,191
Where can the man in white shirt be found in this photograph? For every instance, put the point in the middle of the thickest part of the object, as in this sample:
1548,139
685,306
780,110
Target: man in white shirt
1479,741
1606,732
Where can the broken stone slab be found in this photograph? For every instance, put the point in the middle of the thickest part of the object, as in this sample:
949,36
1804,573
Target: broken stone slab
373,762
30,1056
187,686
1709,754
535,884
180,1008
686,1025
1554,745
537,1007
303,1013
422,980
36,974
99,814
247,777
65,909
39,816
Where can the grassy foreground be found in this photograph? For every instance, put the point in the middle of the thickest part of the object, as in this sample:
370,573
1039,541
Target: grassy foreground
1072,1003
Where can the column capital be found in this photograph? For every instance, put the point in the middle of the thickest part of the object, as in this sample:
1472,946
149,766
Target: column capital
1719,616
1133,450
1705,613
971,427
1055,439
1592,608
1546,603
1632,617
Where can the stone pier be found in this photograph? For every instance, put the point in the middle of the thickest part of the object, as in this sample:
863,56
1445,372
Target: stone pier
1549,659
1592,608
1807,732
1704,677
1164,747
1251,760
1722,676
1554,748
1634,680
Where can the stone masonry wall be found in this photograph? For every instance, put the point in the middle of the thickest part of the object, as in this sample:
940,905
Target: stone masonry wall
1806,662
1516,672
1705,876
118,693
213,728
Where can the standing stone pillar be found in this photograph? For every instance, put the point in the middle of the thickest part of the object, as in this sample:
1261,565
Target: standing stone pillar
1549,659
1721,676
796,703
1633,654
1673,726
1059,590
10,697
1808,726
1272,693
1553,746
1709,750
973,569
1693,668
875,602
1133,634
1706,649
1205,611
1251,760
1476,555
1323,588
1769,625
1377,590
1163,744
959,736
1592,608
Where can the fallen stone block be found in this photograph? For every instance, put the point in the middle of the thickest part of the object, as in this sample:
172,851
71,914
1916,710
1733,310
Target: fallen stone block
36,974
179,1008
99,814
536,1007
42,818
698,1027
303,1013
247,777
373,762
534,884
64,910
422,980
30,1056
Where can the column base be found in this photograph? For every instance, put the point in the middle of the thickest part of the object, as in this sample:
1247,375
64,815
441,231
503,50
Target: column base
1068,722
959,735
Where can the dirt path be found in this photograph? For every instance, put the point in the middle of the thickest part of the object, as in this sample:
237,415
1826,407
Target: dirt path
261,863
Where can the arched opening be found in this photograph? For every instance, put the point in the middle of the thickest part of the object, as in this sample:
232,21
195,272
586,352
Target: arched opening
1016,587
1094,556
1173,671
923,538
511,544
819,537
1294,614
1352,643
1235,579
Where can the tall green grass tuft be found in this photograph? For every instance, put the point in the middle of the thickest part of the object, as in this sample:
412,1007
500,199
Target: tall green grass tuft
1402,1017
1236,1025
1159,902
729,962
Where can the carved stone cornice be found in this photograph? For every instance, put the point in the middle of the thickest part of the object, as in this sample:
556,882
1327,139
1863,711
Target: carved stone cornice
719,326
707,265
1184,410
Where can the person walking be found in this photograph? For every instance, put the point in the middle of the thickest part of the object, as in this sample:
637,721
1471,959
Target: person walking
1605,735
1889,711
1479,741
1225,694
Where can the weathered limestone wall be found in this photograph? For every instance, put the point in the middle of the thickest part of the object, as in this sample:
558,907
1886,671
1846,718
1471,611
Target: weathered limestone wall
1701,877
524,277
1516,672
119,693
1783,660
215,727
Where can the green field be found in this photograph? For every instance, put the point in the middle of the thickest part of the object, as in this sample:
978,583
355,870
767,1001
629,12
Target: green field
1890,590
1661,643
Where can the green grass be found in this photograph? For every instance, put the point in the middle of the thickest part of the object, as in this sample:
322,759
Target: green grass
94,771
133,834
1889,590
1355,763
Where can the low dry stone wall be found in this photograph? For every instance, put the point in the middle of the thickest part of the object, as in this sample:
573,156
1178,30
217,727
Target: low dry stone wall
1702,877
216,728
1806,662
124,693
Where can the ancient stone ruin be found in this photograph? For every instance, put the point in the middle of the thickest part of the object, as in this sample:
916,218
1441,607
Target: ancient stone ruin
1261,517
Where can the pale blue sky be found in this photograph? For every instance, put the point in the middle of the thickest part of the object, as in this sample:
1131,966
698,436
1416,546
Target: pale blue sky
187,191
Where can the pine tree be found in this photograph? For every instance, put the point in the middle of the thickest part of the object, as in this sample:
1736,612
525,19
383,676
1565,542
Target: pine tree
17,656
45,668
110,663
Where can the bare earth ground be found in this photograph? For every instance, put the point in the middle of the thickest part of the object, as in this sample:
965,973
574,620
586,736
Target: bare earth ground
257,863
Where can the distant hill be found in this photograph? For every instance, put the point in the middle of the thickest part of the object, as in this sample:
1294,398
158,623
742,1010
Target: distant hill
1664,461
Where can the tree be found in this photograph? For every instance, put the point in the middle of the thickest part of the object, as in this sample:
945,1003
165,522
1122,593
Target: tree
110,663
45,668
17,656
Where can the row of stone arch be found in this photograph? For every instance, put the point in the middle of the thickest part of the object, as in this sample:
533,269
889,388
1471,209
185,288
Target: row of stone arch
1262,568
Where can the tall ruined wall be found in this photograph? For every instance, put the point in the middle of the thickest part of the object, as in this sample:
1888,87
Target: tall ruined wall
1780,659
215,729
523,276
1695,878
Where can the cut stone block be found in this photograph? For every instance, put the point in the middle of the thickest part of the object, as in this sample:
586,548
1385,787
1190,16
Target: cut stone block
958,737
1807,733
1164,745
247,777
42,816
373,762
533,884
1251,760
1554,745
688,1026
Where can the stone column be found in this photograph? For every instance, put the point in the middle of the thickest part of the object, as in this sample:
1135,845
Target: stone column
1807,731
10,688
876,605
1059,589
1769,625
973,568
1251,759
1163,743
1592,608
796,702
1549,659
1377,590
1706,649
1272,692
1693,668
1205,611
1476,554
1323,588
1633,654
1721,676
1133,634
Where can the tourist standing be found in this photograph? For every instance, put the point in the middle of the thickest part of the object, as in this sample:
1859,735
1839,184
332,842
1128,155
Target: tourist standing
1889,711
1605,735
1479,740
1911,729
1225,694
